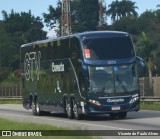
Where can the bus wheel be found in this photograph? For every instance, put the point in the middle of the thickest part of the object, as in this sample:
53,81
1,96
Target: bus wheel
75,110
33,106
122,115
38,112
69,110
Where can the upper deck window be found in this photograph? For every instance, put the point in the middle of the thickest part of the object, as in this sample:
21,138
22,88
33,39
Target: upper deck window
108,48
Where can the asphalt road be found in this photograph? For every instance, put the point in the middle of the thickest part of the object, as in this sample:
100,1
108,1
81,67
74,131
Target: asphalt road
142,120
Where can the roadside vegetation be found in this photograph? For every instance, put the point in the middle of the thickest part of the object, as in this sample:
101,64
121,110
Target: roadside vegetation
11,125
150,106
10,101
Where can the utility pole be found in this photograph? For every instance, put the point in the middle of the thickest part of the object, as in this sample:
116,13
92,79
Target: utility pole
66,18
102,14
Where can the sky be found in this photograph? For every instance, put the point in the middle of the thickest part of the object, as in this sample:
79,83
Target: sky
38,7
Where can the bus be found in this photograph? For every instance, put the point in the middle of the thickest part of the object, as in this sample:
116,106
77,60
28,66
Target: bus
86,73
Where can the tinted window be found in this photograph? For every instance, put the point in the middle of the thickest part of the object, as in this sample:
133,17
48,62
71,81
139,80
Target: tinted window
75,49
108,48
113,79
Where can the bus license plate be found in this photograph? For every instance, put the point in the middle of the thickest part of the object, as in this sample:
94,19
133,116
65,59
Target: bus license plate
116,108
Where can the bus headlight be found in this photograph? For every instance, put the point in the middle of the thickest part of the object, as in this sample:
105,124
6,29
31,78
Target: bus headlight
133,100
94,102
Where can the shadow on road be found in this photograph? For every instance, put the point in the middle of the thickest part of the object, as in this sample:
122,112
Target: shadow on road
106,117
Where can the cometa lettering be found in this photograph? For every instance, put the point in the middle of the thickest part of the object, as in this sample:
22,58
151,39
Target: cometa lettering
57,68
115,100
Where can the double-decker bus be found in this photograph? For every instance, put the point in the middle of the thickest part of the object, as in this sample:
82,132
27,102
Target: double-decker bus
81,74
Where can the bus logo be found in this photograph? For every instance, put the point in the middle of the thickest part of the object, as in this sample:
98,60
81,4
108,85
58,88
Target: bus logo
32,65
57,68
115,100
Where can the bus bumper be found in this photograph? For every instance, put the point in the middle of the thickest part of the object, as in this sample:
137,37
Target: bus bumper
92,109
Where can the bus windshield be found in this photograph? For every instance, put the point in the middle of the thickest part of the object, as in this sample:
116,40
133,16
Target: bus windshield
108,48
113,79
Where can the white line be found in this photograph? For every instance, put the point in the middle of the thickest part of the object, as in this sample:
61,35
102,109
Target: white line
73,122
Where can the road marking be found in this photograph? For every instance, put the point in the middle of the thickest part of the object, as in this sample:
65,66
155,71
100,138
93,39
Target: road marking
73,122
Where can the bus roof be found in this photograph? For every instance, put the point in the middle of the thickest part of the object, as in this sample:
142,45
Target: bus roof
89,34
93,34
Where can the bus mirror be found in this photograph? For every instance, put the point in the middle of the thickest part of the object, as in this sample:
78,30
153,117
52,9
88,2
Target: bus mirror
141,65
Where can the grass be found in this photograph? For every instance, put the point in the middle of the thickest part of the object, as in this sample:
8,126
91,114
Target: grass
150,106
11,101
11,125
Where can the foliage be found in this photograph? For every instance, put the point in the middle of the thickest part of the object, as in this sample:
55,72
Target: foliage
3,73
127,24
10,79
150,106
53,17
84,15
15,30
88,15
119,9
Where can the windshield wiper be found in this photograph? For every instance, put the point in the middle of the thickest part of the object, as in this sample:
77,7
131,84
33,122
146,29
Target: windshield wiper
121,84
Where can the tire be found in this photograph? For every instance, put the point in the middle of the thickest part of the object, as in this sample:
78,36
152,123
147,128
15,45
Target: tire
38,111
33,106
68,109
77,116
122,115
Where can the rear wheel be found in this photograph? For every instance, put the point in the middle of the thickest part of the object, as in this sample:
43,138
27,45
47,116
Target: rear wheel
33,106
36,108
75,110
38,111
68,109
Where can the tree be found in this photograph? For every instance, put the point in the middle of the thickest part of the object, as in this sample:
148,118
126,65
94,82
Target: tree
15,30
126,24
88,15
54,16
119,9
128,8
114,10
84,15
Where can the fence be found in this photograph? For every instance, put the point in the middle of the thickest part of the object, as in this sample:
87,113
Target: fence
150,92
10,92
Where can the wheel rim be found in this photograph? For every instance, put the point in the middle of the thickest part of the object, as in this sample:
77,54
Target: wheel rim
37,107
68,108
75,109
33,107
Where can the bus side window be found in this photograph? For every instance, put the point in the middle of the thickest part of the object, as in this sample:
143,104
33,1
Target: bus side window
75,49
65,48
76,57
